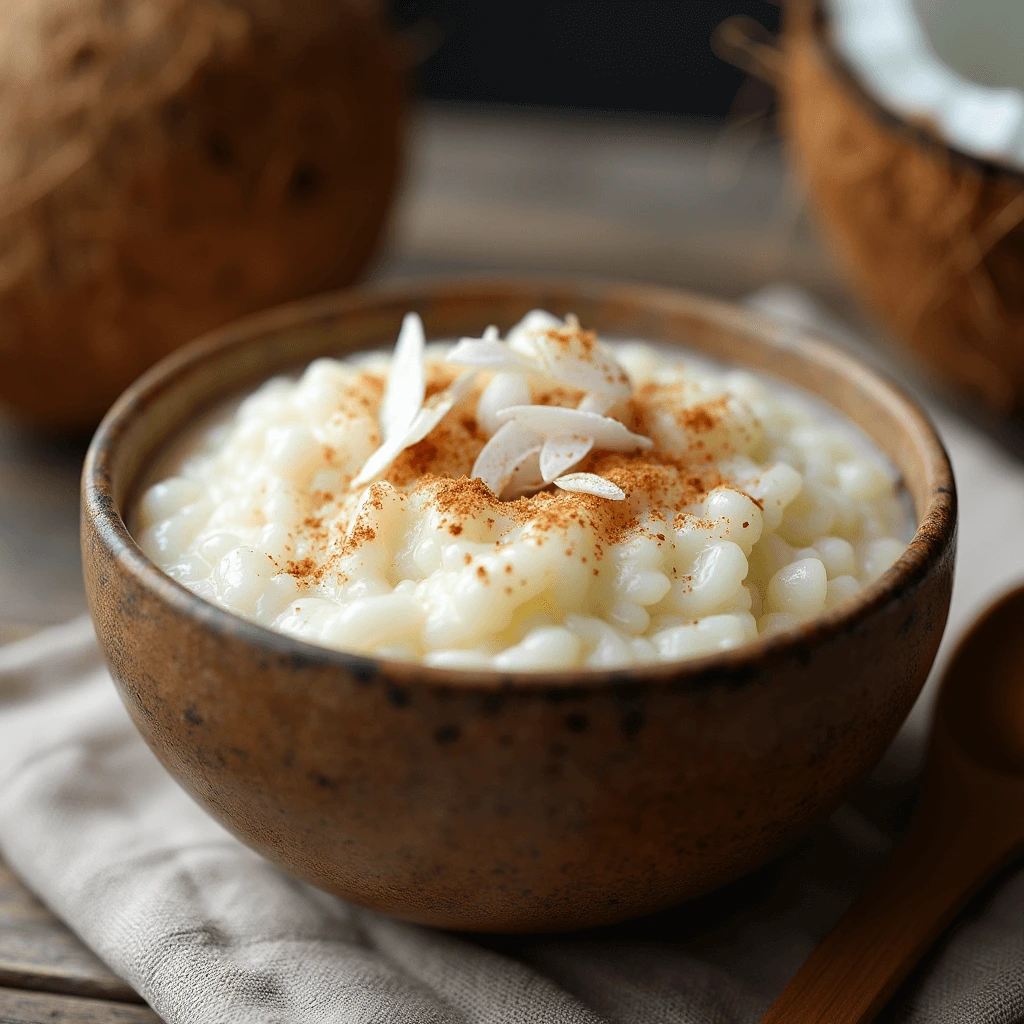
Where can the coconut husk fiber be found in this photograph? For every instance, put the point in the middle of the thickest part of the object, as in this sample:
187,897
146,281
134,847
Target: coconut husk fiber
933,240
168,165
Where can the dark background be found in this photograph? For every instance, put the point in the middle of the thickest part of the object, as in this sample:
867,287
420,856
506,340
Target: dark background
646,56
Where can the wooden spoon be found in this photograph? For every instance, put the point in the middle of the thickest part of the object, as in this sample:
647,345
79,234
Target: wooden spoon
969,823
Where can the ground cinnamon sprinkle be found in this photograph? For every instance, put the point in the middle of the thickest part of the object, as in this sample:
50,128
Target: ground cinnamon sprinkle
361,534
367,389
369,385
439,376
449,450
437,469
306,569
572,338
561,395
651,400
580,579
702,418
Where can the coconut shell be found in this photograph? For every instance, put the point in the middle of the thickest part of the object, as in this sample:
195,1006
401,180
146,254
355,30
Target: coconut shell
932,239
169,165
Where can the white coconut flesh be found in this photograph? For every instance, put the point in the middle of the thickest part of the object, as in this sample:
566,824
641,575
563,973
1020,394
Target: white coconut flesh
955,65
530,446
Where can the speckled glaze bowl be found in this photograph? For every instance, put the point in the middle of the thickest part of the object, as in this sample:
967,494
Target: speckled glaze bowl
504,802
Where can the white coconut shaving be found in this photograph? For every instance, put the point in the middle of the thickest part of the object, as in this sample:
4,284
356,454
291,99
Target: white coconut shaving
506,451
407,381
488,353
555,421
504,390
590,483
562,453
424,419
531,446
560,351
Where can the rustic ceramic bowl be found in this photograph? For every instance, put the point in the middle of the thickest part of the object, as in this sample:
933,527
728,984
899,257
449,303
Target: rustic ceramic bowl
505,802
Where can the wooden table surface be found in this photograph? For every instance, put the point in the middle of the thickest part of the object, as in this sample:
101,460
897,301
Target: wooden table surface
485,191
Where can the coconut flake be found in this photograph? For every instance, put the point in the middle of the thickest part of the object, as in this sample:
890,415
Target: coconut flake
562,453
436,408
504,453
556,421
505,389
525,480
521,338
594,401
573,358
542,345
407,380
532,445
488,353
563,351
590,483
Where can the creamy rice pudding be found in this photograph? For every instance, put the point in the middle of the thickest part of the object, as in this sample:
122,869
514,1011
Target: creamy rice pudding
542,501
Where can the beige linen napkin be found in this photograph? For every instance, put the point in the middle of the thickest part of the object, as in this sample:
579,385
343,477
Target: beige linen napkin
209,933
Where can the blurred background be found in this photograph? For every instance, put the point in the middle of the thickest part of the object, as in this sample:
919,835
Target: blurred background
596,138
605,139
645,57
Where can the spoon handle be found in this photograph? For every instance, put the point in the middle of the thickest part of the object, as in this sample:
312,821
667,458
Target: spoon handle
948,853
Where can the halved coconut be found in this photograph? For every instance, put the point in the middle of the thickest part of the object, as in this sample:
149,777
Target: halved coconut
911,145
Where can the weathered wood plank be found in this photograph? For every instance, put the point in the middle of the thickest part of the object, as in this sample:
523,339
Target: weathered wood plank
20,1007
657,200
38,952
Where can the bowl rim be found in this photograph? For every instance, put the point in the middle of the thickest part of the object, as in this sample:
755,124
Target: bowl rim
935,533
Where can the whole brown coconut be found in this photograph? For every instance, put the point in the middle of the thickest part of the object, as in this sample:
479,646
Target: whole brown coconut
932,238
167,165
